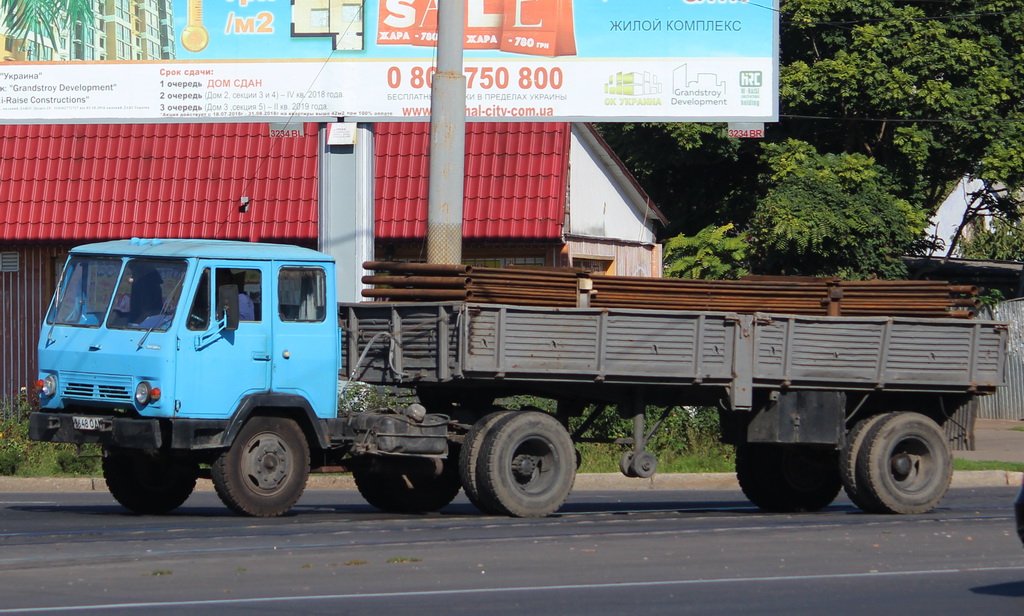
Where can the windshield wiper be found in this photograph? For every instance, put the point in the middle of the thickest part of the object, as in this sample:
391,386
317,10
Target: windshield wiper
163,312
56,305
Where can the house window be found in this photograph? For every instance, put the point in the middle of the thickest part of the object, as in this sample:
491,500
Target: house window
505,261
594,266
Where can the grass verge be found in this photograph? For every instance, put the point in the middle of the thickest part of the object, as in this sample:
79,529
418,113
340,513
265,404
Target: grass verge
986,465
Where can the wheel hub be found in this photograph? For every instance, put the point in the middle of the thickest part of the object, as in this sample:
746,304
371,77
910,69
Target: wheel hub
904,465
524,467
269,465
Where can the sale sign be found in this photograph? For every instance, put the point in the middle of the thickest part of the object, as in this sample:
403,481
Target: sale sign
363,60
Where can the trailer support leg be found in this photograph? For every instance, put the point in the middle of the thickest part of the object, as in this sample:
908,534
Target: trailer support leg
639,463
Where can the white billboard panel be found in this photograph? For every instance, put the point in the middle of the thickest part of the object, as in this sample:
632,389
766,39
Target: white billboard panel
536,60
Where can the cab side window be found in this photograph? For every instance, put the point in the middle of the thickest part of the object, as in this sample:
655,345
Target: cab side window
249,286
302,294
199,312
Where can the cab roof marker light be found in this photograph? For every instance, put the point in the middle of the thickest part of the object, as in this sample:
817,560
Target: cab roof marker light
143,241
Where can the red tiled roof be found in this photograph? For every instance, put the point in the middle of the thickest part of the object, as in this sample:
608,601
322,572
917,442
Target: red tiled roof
515,189
105,181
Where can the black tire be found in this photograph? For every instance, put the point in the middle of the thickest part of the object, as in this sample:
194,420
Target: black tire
904,465
469,455
264,471
409,485
526,465
788,478
146,484
848,457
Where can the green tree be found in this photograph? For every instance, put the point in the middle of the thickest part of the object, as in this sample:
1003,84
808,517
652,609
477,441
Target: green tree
830,215
931,90
35,21
713,253
990,218
925,92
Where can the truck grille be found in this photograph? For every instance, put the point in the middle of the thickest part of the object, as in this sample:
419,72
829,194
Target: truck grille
85,386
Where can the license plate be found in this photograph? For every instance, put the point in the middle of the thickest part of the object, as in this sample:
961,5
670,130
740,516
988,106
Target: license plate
85,423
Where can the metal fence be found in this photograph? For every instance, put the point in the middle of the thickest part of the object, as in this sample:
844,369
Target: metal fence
1008,402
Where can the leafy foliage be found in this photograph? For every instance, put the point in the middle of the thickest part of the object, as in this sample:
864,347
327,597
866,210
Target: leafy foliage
1001,239
714,253
830,215
20,456
887,101
992,220
36,21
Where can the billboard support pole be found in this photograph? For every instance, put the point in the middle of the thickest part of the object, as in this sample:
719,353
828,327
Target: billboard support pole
447,138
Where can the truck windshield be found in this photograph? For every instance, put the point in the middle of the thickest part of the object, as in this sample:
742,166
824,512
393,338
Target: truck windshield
147,295
84,294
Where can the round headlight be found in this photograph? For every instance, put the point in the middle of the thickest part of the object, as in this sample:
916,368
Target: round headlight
142,392
49,386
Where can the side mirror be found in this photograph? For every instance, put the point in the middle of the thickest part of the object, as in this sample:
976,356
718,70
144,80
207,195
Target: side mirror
227,305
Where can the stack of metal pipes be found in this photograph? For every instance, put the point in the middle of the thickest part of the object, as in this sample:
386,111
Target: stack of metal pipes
568,288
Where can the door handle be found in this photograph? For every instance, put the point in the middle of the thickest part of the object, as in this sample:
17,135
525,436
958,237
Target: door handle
260,356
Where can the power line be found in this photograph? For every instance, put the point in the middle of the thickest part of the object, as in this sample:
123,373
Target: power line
903,120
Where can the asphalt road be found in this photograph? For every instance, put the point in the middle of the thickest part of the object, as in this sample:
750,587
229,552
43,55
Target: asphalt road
607,552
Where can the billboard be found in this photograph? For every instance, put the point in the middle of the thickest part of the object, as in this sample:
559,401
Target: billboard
366,60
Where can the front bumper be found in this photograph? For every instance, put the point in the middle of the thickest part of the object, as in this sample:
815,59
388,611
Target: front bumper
129,433
121,432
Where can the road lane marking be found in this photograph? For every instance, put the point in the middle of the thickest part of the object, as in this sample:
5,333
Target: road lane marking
484,591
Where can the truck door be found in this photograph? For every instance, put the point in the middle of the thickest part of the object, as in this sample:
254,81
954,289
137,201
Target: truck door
305,355
217,368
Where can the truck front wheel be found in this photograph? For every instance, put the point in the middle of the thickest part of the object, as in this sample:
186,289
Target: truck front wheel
526,465
264,471
904,465
146,484
787,478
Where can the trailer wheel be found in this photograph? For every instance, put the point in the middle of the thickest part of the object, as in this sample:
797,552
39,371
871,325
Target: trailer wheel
787,478
471,453
408,485
848,457
904,465
264,471
146,484
526,465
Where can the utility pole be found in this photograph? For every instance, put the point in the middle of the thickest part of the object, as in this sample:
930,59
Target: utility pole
447,139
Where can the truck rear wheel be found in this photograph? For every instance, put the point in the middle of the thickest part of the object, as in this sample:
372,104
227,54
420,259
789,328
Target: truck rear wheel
848,457
904,465
471,453
787,478
408,485
526,465
264,471
147,484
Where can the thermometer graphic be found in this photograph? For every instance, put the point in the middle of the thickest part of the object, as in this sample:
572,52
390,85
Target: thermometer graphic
195,37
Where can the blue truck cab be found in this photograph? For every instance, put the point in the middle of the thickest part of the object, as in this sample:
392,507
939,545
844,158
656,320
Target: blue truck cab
190,358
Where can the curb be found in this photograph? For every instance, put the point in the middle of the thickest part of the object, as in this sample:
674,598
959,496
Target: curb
584,481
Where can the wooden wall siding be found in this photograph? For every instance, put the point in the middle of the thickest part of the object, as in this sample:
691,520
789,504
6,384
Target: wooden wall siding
629,259
24,297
